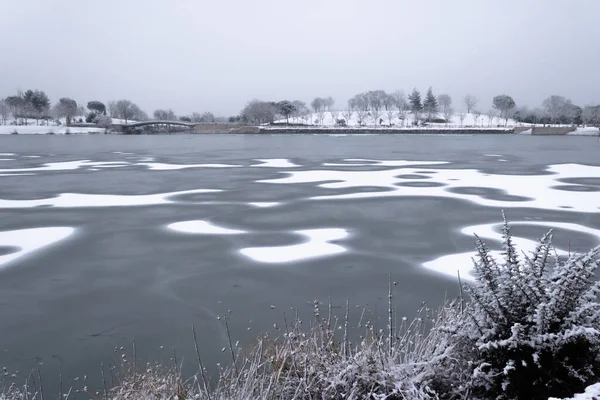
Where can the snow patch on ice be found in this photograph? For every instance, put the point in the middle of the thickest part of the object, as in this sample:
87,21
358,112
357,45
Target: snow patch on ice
275,163
363,162
30,240
7,154
170,167
534,191
264,204
318,245
203,228
82,200
66,166
462,262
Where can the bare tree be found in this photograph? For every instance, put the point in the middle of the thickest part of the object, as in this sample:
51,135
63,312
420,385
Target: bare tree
377,99
317,104
461,117
165,115
112,109
389,102
335,115
349,113
127,110
476,116
390,114
160,114
448,113
328,102
258,112
444,102
554,106
321,115
591,115
470,102
399,99
301,109
491,115
16,104
124,109
361,116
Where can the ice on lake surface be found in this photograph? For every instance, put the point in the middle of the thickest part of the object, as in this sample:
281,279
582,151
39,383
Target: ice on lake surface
254,221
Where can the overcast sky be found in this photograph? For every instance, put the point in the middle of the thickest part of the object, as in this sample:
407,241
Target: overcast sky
200,55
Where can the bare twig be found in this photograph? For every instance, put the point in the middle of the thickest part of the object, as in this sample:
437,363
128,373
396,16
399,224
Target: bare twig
460,287
202,373
390,316
104,381
41,386
230,345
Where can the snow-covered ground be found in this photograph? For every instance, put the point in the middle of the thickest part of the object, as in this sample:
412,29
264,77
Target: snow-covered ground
46,130
470,120
32,128
586,131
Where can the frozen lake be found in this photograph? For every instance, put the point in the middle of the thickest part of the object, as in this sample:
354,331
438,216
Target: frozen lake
106,238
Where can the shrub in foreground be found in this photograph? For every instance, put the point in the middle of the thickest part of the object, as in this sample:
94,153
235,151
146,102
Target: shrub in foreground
531,327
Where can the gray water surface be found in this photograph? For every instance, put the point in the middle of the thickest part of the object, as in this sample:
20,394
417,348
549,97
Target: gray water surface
124,275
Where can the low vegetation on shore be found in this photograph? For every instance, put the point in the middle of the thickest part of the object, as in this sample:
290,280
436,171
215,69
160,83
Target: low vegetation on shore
527,328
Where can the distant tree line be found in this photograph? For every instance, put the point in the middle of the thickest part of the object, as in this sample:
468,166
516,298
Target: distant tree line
261,112
377,107
35,104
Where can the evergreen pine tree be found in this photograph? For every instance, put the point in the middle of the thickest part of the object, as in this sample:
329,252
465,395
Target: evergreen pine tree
430,105
415,103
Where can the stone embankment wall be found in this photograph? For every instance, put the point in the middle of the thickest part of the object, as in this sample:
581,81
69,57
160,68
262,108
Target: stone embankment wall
386,131
552,130
226,128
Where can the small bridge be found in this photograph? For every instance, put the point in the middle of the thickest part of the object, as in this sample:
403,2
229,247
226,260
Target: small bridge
130,128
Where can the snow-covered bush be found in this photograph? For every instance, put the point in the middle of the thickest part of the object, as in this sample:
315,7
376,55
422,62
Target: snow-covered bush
103,121
531,326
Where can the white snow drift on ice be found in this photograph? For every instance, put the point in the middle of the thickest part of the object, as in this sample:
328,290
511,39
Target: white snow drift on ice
28,241
84,200
452,264
202,227
318,245
275,163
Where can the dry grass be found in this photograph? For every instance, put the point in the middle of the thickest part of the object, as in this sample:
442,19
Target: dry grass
299,363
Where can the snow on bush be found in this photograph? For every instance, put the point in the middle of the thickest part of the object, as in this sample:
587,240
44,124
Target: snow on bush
530,329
